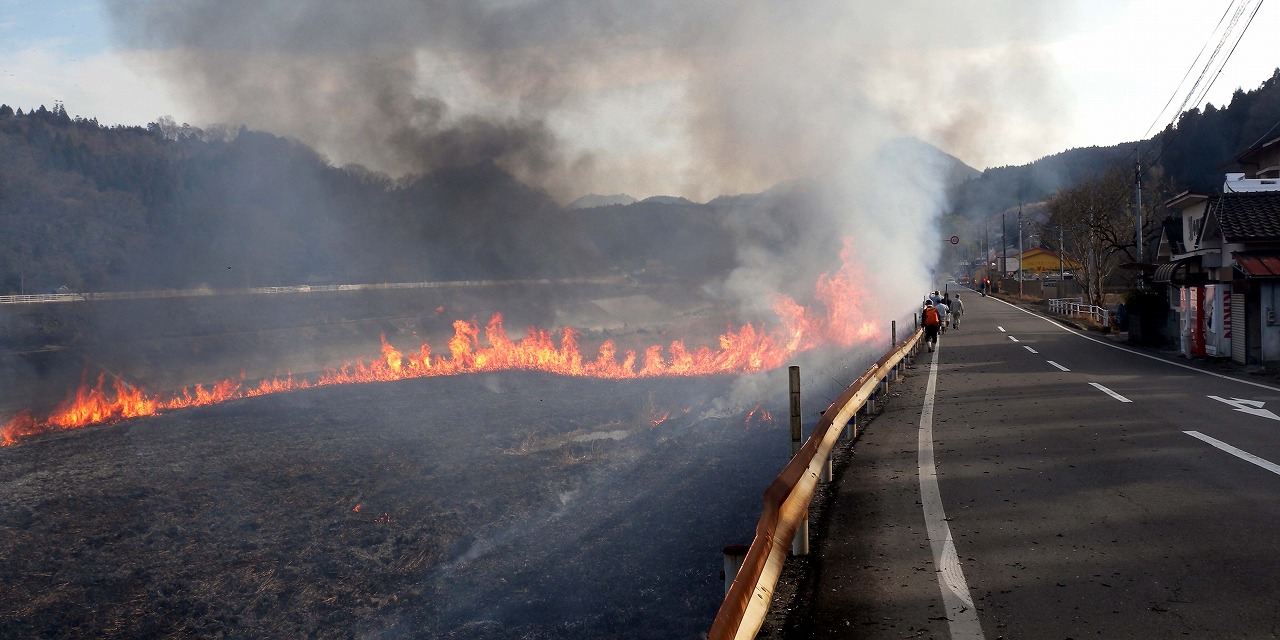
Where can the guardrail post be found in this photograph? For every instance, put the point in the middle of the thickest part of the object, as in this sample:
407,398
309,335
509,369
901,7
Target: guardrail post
800,543
734,555
851,427
794,373
871,402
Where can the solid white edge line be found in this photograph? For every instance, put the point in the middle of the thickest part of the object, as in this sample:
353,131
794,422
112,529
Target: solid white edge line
1028,348
1239,453
1057,365
962,616
1110,392
1107,343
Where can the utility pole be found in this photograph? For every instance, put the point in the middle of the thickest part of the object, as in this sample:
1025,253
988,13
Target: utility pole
1004,248
1021,251
1062,272
986,253
1137,182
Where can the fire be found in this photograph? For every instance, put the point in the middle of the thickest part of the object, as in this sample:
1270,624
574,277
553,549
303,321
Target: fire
763,415
660,419
473,349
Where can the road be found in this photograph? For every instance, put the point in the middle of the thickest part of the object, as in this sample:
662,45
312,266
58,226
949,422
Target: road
1091,491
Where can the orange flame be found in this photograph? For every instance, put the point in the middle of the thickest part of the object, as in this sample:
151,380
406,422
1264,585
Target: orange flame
742,350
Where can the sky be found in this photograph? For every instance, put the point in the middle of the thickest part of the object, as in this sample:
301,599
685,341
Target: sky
641,103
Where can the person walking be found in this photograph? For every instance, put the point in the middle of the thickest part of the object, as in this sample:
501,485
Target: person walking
943,310
931,321
957,310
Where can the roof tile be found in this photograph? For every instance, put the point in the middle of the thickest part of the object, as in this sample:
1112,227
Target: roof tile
1249,215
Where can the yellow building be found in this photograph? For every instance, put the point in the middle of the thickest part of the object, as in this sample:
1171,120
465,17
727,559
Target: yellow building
1043,260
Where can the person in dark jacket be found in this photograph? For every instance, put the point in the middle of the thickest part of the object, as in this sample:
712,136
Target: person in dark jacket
931,320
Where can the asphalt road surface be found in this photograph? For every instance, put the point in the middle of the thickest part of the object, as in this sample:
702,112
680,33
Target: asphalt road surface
1090,491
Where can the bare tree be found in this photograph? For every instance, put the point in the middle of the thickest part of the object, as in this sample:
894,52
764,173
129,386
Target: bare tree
1097,220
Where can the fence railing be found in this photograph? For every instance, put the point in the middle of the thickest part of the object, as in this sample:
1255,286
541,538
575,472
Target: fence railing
1076,307
786,503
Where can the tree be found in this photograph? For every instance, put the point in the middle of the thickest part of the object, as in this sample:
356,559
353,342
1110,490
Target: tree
1098,227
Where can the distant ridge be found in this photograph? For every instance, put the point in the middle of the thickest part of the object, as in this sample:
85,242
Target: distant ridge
667,200
596,200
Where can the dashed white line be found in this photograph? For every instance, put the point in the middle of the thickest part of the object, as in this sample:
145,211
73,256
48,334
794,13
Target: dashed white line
1110,392
1066,369
1112,345
1239,453
1001,329
1029,349
962,616
1013,338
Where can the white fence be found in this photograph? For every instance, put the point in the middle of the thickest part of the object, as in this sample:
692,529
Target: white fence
1076,307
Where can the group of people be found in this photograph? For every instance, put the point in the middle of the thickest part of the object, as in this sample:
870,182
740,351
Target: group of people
938,312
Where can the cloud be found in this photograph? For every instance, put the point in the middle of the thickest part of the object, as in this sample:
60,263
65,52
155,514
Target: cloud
44,75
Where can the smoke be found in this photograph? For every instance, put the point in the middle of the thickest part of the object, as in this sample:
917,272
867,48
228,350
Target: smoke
687,98
693,98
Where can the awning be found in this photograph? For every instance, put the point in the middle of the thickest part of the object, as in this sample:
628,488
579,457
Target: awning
1258,264
1181,273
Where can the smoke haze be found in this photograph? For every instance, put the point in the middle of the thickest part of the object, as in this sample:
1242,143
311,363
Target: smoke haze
695,99
690,98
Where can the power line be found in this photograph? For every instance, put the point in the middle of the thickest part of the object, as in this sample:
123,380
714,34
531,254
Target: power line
1188,73
1169,138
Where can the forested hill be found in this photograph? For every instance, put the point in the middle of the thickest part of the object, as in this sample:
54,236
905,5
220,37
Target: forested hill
1193,152
1196,150
98,208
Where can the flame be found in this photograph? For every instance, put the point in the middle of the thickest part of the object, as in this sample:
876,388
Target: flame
760,415
472,349
660,419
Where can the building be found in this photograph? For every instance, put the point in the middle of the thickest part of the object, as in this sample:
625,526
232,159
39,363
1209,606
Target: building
1224,272
1038,261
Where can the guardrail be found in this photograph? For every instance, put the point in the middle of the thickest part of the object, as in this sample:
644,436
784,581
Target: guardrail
786,504
1076,307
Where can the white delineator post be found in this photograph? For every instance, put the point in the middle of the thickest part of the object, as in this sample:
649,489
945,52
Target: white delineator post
734,556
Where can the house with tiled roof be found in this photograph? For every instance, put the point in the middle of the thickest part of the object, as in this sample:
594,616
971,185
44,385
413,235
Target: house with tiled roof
1223,274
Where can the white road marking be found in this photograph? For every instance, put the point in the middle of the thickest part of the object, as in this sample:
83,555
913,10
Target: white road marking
1030,349
1107,343
1110,392
1252,407
1058,365
1013,338
1239,453
962,617
1001,328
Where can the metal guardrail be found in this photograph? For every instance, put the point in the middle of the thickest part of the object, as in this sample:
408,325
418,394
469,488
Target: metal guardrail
786,503
1076,307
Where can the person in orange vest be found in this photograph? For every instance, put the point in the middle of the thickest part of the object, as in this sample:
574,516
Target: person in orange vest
931,320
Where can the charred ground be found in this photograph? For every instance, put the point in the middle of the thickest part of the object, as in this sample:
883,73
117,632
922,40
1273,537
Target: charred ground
492,505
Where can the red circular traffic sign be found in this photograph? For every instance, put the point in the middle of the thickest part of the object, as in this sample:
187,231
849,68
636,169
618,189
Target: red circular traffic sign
955,239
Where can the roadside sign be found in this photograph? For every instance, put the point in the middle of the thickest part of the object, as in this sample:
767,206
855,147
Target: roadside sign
955,239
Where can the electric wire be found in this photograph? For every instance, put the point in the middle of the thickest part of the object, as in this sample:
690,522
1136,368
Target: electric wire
1168,139
1186,75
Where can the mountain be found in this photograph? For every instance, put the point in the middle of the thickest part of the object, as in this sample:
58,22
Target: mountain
675,200
596,200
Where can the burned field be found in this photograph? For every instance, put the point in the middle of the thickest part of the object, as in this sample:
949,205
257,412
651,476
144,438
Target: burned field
498,505
512,504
